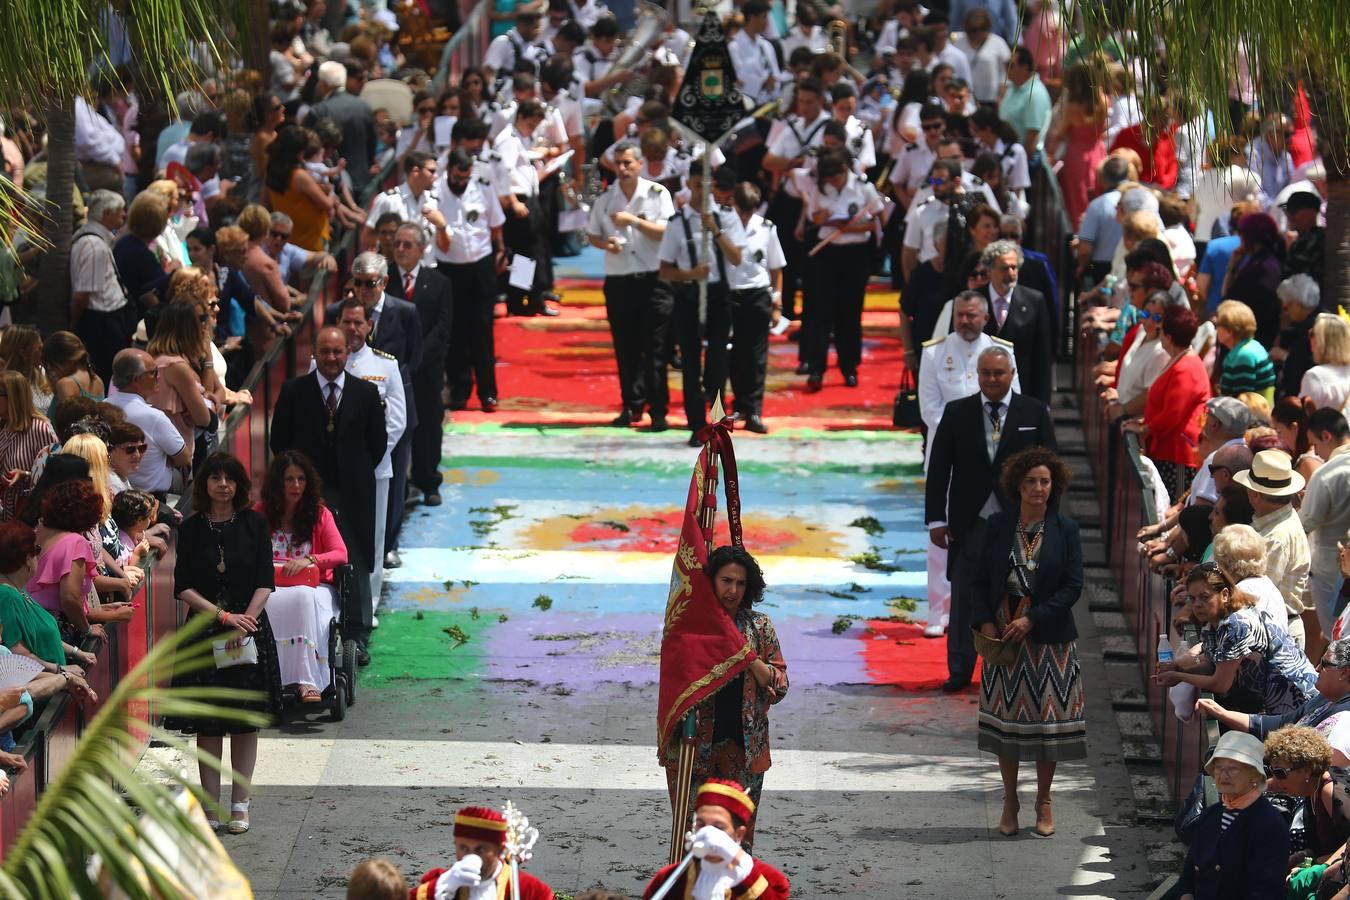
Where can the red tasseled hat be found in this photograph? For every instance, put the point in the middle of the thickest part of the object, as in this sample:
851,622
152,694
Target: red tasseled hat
727,794
481,823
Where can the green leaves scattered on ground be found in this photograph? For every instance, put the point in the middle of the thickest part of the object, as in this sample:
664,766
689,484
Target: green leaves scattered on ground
871,559
844,623
543,602
457,634
902,604
493,516
868,524
616,525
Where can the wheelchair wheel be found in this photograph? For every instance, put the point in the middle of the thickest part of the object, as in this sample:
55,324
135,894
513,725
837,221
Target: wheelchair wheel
338,712
349,670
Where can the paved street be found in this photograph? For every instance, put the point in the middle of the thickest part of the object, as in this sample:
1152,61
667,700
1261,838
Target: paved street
517,650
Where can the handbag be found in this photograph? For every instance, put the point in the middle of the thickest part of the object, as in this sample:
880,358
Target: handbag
246,654
905,411
1188,815
306,577
993,651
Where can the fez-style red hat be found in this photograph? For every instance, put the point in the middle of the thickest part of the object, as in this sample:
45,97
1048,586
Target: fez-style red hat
481,823
727,794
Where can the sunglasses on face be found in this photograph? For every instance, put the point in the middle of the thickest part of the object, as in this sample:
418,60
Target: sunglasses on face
423,110
132,448
1151,316
281,235
1278,772
366,282
980,273
403,245
932,126
1214,470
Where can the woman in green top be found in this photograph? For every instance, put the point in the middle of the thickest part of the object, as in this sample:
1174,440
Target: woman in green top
1247,367
25,627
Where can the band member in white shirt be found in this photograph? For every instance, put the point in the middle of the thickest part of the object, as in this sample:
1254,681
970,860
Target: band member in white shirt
756,295
756,62
467,247
846,209
524,230
684,264
628,222
516,51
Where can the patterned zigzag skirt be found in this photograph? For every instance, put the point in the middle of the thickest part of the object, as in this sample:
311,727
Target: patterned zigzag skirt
1033,709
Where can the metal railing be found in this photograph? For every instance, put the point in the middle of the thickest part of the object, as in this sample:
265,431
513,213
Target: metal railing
466,47
1049,231
50,741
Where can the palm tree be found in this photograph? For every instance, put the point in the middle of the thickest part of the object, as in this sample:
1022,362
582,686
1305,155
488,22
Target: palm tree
1286,45
145,839
48,50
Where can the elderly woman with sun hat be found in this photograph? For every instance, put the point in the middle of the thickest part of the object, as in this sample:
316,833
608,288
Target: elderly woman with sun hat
1272,485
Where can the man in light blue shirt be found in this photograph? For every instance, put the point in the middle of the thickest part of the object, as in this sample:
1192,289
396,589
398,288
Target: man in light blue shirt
292,259
1026,103
1007,23
1100,232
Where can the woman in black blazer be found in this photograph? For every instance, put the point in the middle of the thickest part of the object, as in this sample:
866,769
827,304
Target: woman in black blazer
1030,576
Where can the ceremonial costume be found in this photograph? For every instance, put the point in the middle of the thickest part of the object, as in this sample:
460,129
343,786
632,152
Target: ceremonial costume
410,207
752,310
461,881
797,137
525,236
471,219
763,883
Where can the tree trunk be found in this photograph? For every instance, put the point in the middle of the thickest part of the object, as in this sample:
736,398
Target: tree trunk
53,306
257,39
1333,134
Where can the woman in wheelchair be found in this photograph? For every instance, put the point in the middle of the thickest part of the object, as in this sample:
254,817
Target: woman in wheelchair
306,546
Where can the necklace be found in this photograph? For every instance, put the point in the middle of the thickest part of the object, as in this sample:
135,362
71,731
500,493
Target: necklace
1031,539
218,529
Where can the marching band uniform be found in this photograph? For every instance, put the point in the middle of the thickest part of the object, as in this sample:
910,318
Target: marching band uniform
474,221
796,138
410,207
741,878
462,881
752,311
524,236
946,373
755,60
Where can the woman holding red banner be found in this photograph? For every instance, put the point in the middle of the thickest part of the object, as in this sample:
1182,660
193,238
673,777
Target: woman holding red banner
732,736
306,546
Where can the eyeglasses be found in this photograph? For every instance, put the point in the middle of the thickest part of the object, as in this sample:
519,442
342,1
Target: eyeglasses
933,126
980,273
366,282
153,373
1151,316
1214,470
280,235
214,306
132,449
1277,772
425,109
402,245
1325,663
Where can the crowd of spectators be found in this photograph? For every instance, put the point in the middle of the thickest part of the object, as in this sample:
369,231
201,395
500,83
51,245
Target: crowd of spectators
913,148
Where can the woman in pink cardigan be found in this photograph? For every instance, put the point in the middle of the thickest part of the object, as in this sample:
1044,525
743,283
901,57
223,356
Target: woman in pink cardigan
1170,429
306,546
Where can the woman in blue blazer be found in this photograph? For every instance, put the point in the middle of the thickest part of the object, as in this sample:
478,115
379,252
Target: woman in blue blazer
1030,576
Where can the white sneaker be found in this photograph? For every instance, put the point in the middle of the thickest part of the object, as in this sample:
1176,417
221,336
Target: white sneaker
934,631
374,622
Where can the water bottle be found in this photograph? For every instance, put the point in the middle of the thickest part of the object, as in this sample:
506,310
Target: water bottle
1109,286
1164,649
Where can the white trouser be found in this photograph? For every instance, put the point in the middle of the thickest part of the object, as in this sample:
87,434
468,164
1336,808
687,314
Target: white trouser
939,588
381,522
300,618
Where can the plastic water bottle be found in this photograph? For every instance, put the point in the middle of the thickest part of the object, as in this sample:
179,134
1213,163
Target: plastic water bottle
1183,648
1164,649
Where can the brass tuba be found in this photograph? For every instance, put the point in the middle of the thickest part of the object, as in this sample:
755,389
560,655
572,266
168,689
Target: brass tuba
648,32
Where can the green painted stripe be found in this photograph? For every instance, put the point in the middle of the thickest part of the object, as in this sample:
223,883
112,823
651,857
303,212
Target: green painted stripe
412,646
881,470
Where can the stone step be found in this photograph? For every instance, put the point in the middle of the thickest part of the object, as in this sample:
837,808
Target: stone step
1109,622
1141,753
1152,798
1128,700
1119,647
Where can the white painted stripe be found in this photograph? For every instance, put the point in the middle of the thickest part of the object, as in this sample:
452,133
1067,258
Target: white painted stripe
623,767
429,564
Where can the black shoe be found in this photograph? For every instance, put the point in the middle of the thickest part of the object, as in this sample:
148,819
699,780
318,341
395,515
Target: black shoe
546,310
956,684
622,420
489,404
431,500
694,441
362,655
659,423
458,405
551,295
813,383
851,379
803,369
756,424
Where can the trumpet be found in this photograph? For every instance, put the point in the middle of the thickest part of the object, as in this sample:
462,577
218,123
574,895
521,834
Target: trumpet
836,42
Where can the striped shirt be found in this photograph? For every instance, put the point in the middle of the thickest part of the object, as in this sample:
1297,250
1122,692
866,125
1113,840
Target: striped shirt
18,450
1247,367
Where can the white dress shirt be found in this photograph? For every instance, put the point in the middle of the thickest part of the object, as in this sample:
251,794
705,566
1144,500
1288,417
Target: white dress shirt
519,174
858,198
93,269
650,202
684,248
410,207
96,139
947,372
755,61
796,137
812,39
761,253
469,220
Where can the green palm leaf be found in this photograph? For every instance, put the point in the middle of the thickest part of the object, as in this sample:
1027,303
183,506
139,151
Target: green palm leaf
100,804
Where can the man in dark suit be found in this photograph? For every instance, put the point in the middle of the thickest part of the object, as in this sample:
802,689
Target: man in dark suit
1022,316
397,330
338,422
429,291
341,87
976,435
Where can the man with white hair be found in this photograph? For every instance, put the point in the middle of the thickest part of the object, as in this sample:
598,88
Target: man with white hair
100,311
1324,514
352,115
1021,316
1300,299
1269,154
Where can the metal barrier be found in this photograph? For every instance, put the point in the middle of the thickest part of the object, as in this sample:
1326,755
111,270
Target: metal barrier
49,742
466,47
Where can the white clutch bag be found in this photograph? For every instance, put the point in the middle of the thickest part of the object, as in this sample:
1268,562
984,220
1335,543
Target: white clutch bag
246,654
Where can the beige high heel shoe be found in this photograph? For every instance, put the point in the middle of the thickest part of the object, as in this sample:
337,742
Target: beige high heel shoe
1043,830
1003,828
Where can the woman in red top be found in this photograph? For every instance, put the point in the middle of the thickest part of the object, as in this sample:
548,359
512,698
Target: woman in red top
1170,428
306,546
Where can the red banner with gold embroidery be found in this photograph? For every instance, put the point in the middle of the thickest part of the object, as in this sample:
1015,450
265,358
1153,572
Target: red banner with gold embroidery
701,648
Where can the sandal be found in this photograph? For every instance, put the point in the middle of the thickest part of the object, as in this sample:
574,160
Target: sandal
1039,829
237,825
310,694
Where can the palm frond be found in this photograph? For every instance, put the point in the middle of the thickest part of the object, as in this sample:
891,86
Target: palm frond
100,805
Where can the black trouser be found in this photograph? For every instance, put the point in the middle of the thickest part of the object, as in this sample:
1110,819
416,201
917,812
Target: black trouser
529,237
426,437
751,312
685,327
837,306
398,490
359,607
550,200
962,561
104,334
639,309
783,212
472,354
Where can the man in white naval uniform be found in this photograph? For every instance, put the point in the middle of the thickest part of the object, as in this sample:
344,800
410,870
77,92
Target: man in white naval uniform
381,370
947,373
